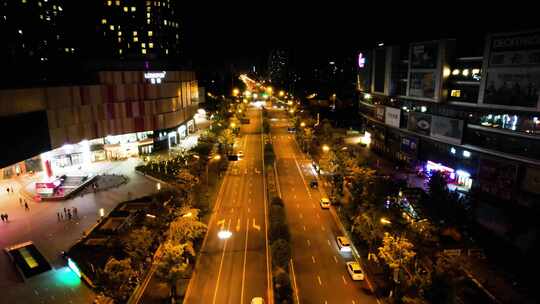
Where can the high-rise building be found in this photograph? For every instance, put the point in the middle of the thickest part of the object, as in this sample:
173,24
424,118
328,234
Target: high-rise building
32,38
278,66
122,29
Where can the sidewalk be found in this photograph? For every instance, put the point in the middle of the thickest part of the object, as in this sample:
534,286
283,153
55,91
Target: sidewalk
51,236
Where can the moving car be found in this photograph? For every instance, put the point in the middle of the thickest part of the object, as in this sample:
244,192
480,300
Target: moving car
355,271
240,154
291,130
314,184
343,243
325,203
257,300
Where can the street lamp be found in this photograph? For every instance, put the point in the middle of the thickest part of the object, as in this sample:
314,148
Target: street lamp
281,93
236,92
233,125
302,124
325,148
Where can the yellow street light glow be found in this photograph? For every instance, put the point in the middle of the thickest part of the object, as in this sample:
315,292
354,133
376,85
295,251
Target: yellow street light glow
281,93
326,148
255,95
233,125
217,157
269,90
302,124
236,92
384,221
189,214
239,110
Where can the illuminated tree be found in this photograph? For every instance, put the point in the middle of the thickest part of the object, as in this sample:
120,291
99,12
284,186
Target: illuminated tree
173,263
117,275
186,228
138,244
397,253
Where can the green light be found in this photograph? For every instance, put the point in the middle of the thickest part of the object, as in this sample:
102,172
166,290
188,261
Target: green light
67,277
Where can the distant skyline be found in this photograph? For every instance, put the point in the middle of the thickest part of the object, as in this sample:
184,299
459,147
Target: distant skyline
238,35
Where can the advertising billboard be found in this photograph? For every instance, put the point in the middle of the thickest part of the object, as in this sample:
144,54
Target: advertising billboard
379,112
424,55
45,188
409,145
422,84
419,123
392,117
512,65
448,129
379,71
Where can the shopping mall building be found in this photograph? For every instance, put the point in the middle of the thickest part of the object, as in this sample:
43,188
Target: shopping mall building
475,117
120,114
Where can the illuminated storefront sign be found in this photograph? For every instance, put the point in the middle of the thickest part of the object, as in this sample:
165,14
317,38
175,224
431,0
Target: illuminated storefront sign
361,60
155,77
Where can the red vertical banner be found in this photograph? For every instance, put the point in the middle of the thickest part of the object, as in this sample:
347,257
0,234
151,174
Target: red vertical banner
48,168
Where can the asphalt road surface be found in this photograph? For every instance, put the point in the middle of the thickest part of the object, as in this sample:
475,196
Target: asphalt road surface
319,266
234,270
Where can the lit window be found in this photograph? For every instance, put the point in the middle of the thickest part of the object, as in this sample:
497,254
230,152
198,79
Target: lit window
67,50
143,51
466,154
60,8
148,9
148,21
23,1
151,45
103,21
126,9
39,3
109,3
147,15
133,8
455,72
455,93
117,2
135,39
40,17
177,36
165,22
148,3
119,33
150,33
111,27
120,51
119,39
167,51
143,45
134,33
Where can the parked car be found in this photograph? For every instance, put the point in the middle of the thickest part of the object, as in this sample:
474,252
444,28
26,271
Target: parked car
355,271
343,243
325,203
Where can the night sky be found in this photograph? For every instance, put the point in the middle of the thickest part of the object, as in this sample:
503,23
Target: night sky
216,35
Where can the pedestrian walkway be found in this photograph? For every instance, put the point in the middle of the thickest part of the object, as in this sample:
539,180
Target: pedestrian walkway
40,223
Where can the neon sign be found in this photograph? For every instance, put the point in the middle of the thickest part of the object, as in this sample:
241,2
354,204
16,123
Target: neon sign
155,77
361,60
74,267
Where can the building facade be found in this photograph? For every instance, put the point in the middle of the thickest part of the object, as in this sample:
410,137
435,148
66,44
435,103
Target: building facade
125,113
476,119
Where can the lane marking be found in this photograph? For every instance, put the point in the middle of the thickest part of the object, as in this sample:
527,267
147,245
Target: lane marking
294,282
221,265
313,259
353,302
323,229
344,281
238,225
304,228
335,259
244,266
297,205
301,216
319,279
249,210
329,244
308,243
318,215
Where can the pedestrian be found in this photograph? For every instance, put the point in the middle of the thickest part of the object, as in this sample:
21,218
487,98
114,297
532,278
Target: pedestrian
2,216
75,212
12,192
58,216
6,217
26,208
20,201
7,189
61,216
65,211
69,215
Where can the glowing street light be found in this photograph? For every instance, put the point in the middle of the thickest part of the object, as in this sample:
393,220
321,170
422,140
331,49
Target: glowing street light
255,95
302,124
235,92
384,221
217,157
269,90
325,148
233,125
281,93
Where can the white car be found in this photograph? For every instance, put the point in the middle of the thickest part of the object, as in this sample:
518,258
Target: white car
355,271
343,243
240,154
325,203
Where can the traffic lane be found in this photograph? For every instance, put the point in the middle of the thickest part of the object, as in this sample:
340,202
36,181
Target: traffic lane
206,273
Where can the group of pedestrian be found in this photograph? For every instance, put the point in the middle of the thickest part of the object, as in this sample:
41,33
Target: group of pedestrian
4,217
10,190
68,214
